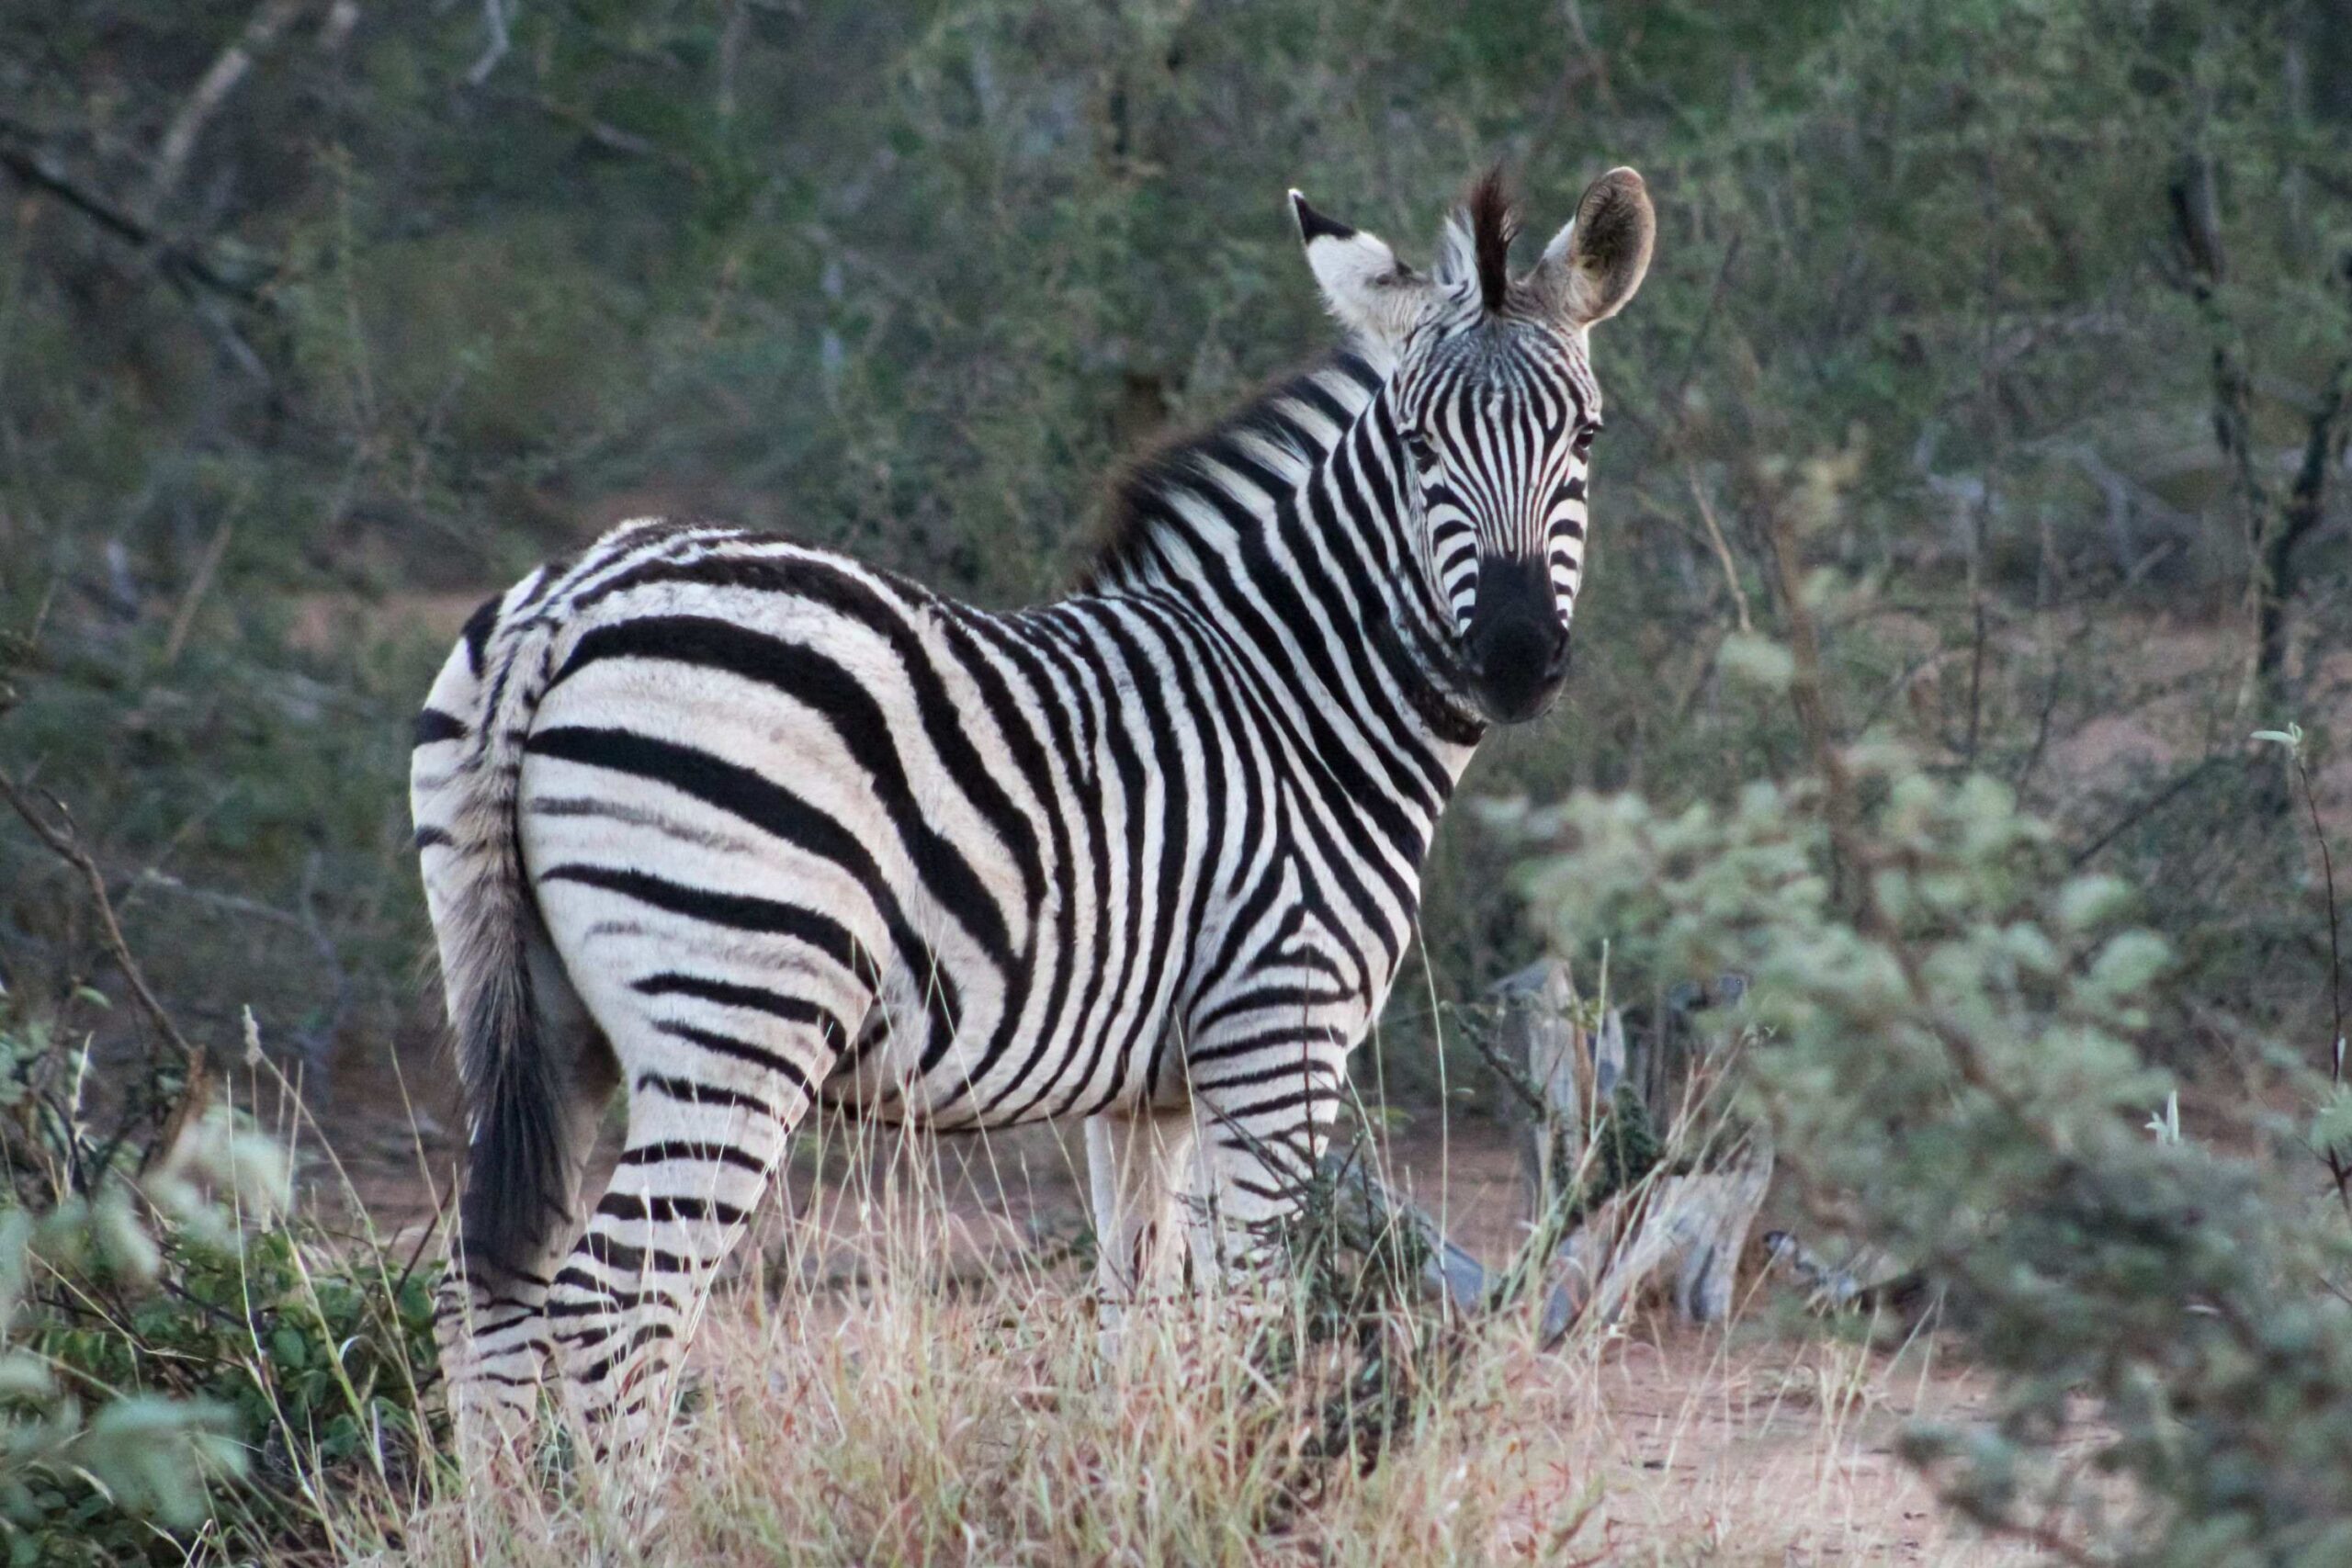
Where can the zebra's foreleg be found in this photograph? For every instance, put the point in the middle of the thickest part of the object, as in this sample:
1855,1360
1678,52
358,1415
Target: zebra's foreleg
1263,1133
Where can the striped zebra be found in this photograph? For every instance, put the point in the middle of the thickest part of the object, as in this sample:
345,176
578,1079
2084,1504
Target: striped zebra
740,827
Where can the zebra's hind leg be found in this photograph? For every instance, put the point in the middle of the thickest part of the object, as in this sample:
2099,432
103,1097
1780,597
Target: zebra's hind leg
1141,1168
489,1321
711,1104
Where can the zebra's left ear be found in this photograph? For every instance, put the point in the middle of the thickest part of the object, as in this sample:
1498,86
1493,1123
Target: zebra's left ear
1593,266
1375,295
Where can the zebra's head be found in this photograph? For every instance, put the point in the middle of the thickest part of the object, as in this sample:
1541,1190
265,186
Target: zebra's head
1491,391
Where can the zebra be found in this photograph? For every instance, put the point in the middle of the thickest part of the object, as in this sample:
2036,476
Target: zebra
738,828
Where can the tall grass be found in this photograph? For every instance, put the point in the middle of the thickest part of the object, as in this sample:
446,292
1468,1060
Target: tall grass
908,1374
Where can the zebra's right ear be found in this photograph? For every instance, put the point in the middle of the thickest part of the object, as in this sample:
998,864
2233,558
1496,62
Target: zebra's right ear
1374,296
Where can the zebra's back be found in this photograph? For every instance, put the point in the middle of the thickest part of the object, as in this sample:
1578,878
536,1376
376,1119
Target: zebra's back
981,854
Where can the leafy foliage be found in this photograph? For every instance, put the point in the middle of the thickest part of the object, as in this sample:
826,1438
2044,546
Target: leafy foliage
907,279
184,1367
1953,1070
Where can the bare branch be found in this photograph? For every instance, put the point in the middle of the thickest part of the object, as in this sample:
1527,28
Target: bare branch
229,69
64,841
494,14
2145,808
183,264
2299,515
1722,546
600,133
199,585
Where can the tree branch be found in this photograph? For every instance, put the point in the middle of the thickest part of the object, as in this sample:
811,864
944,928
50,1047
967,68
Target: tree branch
229,69
184,265
2144,809
2306,503
65,843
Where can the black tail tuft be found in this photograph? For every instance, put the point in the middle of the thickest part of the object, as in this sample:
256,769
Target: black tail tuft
516,1188
508,994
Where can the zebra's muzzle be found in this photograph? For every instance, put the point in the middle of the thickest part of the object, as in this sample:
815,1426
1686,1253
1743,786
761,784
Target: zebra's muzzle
1518,643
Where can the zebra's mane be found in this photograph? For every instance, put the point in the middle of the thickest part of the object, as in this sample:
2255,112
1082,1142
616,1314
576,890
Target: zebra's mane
1140,490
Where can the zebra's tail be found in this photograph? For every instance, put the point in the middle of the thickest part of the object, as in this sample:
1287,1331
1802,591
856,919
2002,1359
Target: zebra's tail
464,778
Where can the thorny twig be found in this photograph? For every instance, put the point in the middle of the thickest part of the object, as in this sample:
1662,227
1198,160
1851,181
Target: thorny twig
2339,1168
64,841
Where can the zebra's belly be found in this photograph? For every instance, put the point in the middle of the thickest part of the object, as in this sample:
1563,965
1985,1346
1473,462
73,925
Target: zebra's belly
1033,1078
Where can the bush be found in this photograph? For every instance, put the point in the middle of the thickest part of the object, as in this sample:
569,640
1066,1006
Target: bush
908,279
186,1369
1954,1072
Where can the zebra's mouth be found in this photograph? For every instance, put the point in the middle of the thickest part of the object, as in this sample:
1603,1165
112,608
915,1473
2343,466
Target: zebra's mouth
1517,649
1517,694
1519,705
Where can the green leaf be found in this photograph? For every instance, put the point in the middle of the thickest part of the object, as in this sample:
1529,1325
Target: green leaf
2332,1127
1758,661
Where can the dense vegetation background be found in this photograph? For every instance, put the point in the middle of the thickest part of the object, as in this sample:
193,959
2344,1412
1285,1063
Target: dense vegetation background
320,319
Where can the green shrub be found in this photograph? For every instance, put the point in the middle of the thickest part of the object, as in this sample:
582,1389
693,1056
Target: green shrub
1953,1070
186,1369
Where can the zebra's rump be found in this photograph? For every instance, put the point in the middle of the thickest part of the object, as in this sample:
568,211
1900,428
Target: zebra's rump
761,784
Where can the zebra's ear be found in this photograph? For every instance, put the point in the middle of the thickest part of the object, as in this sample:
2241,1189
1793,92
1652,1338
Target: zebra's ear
1593,266
1374,295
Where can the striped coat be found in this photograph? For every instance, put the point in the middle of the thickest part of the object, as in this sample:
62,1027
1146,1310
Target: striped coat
740,827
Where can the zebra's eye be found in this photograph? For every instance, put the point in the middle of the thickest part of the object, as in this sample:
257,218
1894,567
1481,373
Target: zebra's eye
1585,433
1418,448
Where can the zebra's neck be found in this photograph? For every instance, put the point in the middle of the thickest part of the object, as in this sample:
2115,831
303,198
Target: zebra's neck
1285,523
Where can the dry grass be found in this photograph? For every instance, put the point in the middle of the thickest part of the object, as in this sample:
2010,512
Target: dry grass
911,1377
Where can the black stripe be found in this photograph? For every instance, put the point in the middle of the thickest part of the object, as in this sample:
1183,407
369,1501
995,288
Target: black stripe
607,1295
736,911
661,1209
1298,1100
779,812
690,1092
720,1045
649,1334
622,1259
690,1150
753,998
479,626
433,726
823,684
